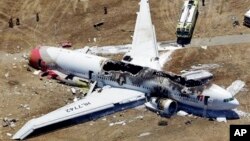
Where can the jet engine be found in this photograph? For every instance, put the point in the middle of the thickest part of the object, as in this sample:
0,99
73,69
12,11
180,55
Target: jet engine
163,105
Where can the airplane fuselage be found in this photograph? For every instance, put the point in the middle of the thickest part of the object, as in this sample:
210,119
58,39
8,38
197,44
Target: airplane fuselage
124,75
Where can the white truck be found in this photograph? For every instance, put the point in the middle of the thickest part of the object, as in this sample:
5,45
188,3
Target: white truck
187,19
247,18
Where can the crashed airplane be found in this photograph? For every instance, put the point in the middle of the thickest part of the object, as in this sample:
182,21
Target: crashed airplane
137,79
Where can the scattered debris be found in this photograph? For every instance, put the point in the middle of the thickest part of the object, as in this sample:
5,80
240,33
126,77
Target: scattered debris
65,44
139,117
37,72
130,31
118,123
182,113
25,106
7,75
28,69
9,122
73,90
221,119
9,134
235,21
75,99
98,25
188,122
204,47
25,56
94,39
162,123
144,134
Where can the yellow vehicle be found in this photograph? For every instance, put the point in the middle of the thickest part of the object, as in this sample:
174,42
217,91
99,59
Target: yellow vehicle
187,19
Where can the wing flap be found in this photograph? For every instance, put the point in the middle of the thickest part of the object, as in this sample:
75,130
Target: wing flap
106,99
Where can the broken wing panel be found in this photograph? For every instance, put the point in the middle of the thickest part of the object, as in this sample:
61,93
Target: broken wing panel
108,98
144,50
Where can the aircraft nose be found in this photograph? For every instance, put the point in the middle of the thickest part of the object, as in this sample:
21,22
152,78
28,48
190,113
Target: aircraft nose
35,58
234,103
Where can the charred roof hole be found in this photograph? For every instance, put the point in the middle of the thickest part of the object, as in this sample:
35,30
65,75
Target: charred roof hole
120,66
180,80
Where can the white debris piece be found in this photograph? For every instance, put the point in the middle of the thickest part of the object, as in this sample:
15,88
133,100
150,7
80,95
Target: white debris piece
94,39
37,72
204,47
9,134
26,106
75,99
182,113
73,90
12,124
118,123
144,134
235,87
25,56
221,119
7,75
139,117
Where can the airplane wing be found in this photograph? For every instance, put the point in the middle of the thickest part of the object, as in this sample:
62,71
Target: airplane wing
109,99
144,50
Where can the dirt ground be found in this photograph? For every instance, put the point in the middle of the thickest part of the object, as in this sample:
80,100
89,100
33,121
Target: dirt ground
61,20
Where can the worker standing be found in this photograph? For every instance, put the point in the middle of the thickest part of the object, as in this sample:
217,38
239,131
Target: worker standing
11,22
17,21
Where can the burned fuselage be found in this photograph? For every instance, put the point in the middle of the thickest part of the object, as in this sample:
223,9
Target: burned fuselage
184,89
152,82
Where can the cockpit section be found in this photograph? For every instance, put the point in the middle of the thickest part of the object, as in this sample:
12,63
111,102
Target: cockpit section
121,66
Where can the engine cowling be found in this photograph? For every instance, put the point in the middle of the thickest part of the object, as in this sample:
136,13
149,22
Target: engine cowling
163,105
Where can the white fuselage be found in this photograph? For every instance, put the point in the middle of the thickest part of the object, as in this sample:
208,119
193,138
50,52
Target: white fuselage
146,80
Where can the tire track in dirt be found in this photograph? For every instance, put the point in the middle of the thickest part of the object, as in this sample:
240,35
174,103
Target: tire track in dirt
52,15
165,15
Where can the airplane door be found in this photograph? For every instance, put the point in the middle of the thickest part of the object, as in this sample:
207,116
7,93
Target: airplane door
206,100
90,74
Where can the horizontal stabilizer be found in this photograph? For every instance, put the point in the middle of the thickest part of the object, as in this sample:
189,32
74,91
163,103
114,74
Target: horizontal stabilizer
235,87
